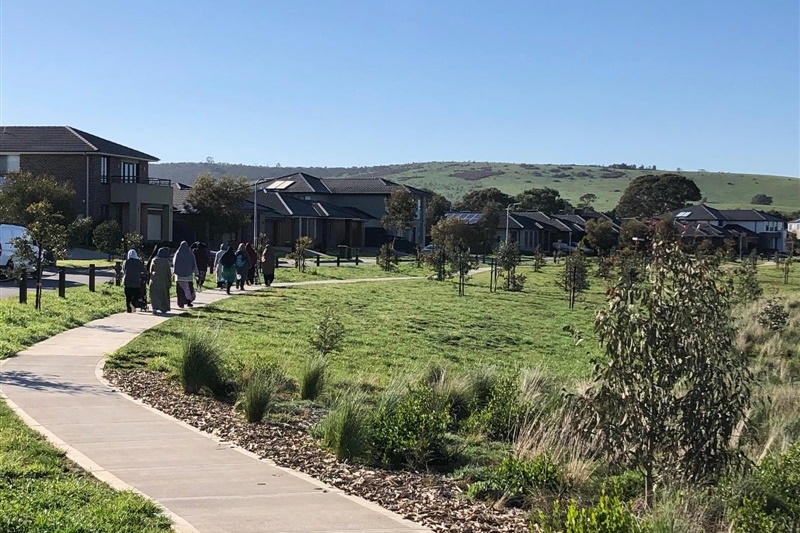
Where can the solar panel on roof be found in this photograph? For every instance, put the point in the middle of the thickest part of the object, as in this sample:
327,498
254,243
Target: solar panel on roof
279,185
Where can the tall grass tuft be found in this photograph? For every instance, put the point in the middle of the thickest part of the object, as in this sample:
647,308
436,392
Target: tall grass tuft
312,379
200,364
260,392
346,431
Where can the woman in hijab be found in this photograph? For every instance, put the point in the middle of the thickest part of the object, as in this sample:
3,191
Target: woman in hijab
160,281
132,280
253,257
268,265
185,270
242,266
225,265
200,252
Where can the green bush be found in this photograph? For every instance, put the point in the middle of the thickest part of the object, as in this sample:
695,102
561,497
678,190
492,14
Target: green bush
312,379
504,412
200,364
627,485
260,392
769,498
410,430
514,478
609,515
346,429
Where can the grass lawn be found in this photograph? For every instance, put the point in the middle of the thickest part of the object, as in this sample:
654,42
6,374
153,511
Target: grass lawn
394,326
42,491
22,325
84,263
324,272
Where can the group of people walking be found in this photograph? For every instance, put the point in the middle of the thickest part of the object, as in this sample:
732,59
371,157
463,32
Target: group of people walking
191,263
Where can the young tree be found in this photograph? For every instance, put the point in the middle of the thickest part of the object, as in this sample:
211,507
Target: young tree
546,200
538,260
46,230
303,244
401,209
600,236
216,205
508,259
672,388
747,287
386,258
575,276
651,195
107,237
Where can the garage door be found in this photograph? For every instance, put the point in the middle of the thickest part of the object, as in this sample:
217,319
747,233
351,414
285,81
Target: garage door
154,226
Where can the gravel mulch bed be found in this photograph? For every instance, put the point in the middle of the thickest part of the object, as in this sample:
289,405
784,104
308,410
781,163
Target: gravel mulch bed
429,499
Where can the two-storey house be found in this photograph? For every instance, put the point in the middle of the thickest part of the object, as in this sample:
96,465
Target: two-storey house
112,181
753,229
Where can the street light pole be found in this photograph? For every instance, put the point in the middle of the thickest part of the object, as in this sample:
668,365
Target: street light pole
508,211
255,208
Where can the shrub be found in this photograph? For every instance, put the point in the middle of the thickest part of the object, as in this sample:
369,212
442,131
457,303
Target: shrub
312,380
387,258
505,412
346,429
609,515
200,364
410,430
260,392
514,478
773,316
328,333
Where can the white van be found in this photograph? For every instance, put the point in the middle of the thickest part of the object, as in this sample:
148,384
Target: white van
9,232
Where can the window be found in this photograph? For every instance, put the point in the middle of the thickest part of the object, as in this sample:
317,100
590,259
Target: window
9,163
130,172
103,169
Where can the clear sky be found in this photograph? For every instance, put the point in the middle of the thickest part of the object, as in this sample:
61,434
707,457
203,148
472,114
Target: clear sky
680,83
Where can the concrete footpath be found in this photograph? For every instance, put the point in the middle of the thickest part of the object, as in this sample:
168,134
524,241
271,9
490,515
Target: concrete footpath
204,485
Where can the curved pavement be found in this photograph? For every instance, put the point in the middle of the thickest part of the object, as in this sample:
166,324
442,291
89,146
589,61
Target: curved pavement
205,485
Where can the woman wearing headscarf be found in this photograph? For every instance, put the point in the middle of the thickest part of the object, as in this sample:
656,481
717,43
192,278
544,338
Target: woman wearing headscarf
225,265
268,265
242,266
200,252
132,269
185,268
253,257
160,281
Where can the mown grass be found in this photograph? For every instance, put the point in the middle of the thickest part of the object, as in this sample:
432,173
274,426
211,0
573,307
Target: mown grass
84,263
40,490
325,272
393,326
22,325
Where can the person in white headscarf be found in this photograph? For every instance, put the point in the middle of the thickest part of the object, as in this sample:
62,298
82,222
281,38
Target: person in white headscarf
132,280
184,266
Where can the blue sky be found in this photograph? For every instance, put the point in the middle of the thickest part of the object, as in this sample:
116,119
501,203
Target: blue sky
691,84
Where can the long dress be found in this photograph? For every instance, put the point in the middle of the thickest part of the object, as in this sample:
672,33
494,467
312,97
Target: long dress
160,284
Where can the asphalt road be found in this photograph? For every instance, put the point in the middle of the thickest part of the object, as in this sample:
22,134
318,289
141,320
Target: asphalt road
10,288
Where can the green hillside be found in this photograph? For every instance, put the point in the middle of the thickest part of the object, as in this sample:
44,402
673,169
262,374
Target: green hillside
721,189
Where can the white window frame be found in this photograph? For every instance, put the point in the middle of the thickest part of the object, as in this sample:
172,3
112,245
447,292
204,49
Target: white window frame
10,167
103,169
129,172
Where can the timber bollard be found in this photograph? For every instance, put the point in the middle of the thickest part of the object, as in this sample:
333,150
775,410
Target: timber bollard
337,260
117,273
356,258
62,282
23,288
317,260
91,278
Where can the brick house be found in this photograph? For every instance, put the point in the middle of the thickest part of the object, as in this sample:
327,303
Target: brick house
111,181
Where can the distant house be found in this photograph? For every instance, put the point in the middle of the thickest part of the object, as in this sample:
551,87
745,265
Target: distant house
750,228
794,227
366,196
283,219
112,181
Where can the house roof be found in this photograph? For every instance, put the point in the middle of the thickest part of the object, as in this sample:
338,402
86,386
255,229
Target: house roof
62,139
705,212
300,182
795,221
290,206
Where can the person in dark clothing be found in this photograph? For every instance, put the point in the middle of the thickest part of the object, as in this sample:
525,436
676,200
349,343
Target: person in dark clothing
153,255
200,251
253,257
268,265
132,280
226,268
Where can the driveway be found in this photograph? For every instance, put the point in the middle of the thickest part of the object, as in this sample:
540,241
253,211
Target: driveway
75,278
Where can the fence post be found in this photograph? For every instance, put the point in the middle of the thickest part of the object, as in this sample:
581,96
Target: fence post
117,273
91,278
317,260
356,258
62,282
23,288
337,260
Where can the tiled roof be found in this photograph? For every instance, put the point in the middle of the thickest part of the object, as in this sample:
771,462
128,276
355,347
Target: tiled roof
300,182
62,139
705,212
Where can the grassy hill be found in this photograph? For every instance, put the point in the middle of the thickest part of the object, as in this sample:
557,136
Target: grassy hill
452,179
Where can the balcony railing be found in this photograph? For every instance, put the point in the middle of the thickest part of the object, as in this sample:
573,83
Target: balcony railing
134,179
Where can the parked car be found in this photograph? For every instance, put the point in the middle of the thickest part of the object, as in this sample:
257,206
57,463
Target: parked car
571,247
430,249
9,232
